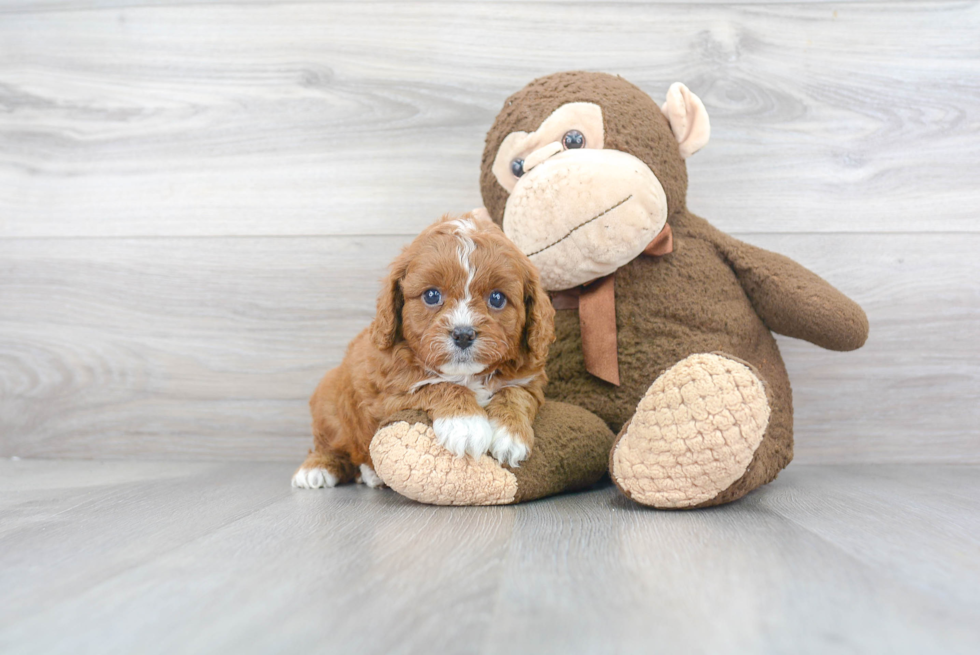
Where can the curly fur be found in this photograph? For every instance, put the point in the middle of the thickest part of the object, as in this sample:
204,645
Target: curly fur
406,360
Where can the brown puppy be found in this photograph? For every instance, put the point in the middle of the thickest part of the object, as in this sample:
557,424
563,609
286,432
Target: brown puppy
462,332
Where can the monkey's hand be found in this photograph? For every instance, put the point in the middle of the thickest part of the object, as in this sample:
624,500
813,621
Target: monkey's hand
795,302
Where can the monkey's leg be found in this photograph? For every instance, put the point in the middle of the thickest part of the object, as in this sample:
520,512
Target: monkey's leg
571,451
704,434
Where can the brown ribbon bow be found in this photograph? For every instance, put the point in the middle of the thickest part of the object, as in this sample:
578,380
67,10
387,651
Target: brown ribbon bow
596,302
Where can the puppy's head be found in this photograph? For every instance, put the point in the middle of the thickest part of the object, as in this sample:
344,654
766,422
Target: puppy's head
466,301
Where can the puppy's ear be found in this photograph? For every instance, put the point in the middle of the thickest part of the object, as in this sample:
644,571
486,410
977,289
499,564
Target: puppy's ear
386,327
539,324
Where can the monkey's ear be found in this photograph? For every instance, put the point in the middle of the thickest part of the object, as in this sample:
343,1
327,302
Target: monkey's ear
688,119
481,213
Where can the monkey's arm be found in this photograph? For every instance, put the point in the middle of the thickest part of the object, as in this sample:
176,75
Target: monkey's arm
793,301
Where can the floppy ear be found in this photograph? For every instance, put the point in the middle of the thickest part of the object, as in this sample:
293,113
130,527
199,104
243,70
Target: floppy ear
539,322
386,327
688,119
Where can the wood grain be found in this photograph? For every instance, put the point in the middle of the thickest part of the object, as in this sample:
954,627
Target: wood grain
929,549
176,346
681,577
368,118
121,557
210,347
197,198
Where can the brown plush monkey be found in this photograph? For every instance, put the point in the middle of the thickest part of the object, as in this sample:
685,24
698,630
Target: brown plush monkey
664,323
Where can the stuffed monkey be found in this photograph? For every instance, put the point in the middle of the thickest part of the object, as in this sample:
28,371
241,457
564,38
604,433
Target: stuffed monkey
664,323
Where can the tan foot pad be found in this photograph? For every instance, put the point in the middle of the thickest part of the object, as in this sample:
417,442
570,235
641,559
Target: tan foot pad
694,433
408,459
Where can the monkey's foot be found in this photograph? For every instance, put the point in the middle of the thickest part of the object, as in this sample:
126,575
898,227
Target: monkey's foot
408,458
694,433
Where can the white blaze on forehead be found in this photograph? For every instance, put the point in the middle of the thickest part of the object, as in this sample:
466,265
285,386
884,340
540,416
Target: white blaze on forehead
463,225
461,314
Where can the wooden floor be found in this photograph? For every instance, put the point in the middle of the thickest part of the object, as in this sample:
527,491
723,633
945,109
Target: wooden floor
168,557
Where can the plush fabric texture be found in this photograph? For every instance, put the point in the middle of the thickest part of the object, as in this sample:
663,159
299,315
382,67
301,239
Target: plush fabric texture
585,214
587,119
633,123
408,459
694,433
571,451
712,294
688,119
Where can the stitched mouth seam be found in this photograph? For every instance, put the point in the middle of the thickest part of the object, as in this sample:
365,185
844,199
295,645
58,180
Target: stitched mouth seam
572,231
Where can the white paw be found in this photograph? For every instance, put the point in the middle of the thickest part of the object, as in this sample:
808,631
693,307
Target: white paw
314,478
370,478
507,448
463,435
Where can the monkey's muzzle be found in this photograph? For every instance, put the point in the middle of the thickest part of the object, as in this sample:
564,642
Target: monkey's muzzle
582,214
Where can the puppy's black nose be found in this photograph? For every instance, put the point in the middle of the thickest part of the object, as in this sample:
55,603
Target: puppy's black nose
464,337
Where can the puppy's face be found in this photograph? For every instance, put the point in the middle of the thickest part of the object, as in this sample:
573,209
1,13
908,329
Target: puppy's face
466,301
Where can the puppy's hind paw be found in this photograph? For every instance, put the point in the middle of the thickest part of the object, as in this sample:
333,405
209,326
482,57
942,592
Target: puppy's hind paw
507,448
314,478
462,435
369,477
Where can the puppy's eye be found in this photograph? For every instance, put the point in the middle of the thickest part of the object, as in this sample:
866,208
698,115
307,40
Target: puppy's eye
517,167
573,139
432,297
497,300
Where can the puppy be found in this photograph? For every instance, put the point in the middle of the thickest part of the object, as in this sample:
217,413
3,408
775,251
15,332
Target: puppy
462,332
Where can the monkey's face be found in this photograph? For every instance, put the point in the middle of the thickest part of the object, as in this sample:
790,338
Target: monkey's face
577,207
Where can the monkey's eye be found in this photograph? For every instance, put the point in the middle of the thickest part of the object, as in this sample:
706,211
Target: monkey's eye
517,167
432,297
573,139
497,300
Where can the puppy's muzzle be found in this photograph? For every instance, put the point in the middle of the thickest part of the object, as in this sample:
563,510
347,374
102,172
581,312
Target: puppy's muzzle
463,337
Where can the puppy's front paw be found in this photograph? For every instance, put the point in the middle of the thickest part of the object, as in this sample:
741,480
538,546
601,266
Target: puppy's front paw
463,435
507,447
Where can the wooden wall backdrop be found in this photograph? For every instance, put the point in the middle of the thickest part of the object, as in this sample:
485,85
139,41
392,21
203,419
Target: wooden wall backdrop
197,199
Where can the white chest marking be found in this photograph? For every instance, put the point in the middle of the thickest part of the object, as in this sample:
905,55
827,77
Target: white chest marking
483,386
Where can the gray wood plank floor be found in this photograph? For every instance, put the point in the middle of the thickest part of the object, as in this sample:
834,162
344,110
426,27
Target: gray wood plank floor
165,557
